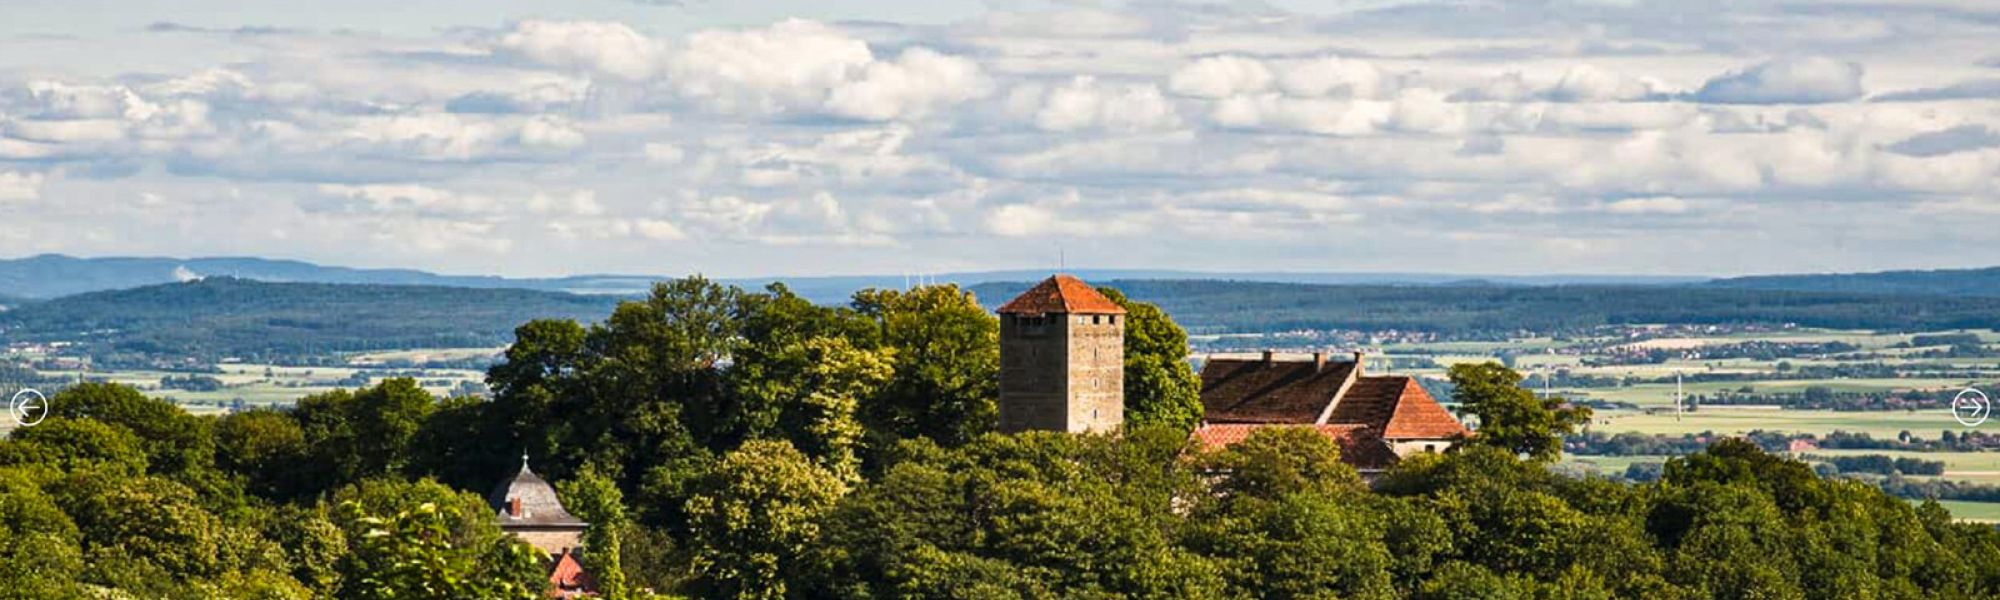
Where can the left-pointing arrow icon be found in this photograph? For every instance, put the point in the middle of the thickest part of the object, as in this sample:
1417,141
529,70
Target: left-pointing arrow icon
29,407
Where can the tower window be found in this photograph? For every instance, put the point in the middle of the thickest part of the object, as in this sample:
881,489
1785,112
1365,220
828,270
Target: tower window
1030,325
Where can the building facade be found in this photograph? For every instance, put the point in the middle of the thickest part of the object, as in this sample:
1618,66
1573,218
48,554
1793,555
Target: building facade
1062,359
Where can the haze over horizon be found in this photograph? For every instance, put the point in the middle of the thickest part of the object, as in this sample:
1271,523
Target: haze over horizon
792,138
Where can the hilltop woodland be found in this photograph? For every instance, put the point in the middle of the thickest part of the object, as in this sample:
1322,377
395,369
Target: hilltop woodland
731,444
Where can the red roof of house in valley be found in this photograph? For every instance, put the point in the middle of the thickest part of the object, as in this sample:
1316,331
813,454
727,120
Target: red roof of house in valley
1061,294
1359,446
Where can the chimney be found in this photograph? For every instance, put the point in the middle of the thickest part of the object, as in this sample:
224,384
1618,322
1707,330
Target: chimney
514,507
1269,356
1319,361
1360,358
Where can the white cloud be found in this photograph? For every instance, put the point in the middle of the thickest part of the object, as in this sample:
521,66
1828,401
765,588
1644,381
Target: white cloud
598,46
1221,77
68,130
1585,83
1313,115
664,153
412,199
1786,81
550,132
658,229
1126,118
1331,75
1654,205
1085,103
59,100
1021,220
1580,83
15,186
791,64
916,83
582,203
429,136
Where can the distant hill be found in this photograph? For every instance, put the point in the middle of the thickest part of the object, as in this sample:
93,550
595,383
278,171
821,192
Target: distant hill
53,275
1488,310
220,317
1944,282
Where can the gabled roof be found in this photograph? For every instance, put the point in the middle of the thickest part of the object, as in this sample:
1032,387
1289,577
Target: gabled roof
1061,294
1359,446
568,577
1398,407
539,505
1235,390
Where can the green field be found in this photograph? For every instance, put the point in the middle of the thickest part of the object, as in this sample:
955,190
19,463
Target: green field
1740,421
1662,394
1983,512
258,384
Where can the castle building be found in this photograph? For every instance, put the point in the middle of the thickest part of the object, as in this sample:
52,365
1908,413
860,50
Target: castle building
1062,368
1062,359
528,508
1376,419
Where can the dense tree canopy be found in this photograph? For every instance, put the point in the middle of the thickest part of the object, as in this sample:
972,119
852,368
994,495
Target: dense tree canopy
752,445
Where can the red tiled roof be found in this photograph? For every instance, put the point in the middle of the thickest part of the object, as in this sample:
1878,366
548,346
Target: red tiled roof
568,577
1396,406
1359,446
1235,390
1061,294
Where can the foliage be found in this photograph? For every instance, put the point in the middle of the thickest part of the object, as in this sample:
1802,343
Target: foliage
753,517
947,365
1161,387
412,554
595,498
1510,417
753,445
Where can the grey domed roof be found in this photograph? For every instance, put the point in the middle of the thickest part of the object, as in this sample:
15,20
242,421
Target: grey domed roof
539,505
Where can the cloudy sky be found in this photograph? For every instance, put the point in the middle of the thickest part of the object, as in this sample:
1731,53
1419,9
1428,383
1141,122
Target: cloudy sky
786,137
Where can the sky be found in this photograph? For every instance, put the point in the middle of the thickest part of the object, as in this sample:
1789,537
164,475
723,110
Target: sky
799,137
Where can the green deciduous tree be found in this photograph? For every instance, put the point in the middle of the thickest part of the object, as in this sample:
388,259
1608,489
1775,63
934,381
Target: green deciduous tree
1037,515
178,443
412,554
1161,387
1276,461
947,365
267,448
356,435
754,516
595,498
1510,417
72,444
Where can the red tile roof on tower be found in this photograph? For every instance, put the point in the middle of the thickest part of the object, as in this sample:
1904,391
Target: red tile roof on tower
1235,390
1061,294
1359,446
568,578
1398,407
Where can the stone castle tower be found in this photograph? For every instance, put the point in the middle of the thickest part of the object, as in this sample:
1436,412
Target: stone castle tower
1062,359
